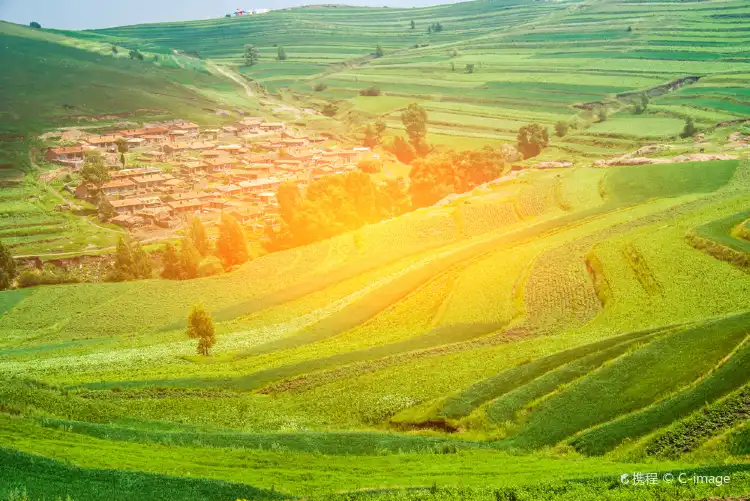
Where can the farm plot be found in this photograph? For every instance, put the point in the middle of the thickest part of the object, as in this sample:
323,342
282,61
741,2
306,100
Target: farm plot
725,378
630,383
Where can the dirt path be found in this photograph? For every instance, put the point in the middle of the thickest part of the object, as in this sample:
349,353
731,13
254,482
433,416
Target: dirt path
232,76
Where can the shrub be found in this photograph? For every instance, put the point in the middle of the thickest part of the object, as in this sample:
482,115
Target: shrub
320,87
370,165
370,91
209,267
50,275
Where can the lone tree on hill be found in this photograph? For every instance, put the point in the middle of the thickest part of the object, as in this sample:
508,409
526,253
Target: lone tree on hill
201,327
281,53
470,68
532,139
379,51
561,128
413,25
115,50
414,118
251,55
231,247
8,269
690,129
34,24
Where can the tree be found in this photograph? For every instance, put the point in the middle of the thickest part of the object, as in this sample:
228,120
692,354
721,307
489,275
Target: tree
171,262
8,268
429,30
114,49
201,327
122,148
141,261
35,25
320,87
690,129
532,139
94,171
602,114
379,51
289,198
228,15
371,139
402,149
413,25
469,68
453,53
131,262
414,118
251,55
437,28
190,259
136,54
561,128
281,53
197,233
231,247
124,263
329,109
453,66
104,207
379,129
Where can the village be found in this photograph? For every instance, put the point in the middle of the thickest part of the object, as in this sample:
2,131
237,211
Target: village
179,170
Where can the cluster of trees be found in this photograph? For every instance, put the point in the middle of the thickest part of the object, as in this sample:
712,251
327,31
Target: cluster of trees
331,206
34,24
195,256
251,55
414,118
132,262
435,176
435,28
374,134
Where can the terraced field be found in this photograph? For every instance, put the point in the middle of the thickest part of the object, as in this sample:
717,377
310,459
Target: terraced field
529,62
482,324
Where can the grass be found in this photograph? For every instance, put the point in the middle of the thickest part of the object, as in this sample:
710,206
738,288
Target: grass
43,478
644,182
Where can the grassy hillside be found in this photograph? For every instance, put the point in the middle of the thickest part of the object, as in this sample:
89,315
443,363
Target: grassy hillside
401,338
531,62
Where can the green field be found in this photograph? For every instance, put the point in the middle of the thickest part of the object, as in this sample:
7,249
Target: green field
533,339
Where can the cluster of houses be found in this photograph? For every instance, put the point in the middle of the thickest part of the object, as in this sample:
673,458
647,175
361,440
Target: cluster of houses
192,171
